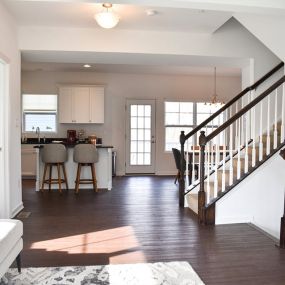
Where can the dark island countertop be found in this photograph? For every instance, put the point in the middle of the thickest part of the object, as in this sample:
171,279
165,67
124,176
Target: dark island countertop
58,140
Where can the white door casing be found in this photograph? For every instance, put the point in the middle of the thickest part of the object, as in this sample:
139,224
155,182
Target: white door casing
140,136
4,151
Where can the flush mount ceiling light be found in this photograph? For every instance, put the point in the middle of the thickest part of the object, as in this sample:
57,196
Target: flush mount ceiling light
87,65
107,19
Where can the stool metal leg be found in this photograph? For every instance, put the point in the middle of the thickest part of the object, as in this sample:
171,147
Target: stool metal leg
93,172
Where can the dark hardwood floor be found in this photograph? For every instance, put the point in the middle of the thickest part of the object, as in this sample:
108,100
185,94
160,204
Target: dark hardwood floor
139,221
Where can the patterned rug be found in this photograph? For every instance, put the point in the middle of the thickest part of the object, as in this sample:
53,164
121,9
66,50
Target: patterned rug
170,273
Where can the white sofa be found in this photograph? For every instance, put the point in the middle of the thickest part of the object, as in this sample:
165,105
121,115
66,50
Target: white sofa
11,244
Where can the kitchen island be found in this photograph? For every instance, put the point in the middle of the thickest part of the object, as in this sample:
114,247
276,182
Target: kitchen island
103,168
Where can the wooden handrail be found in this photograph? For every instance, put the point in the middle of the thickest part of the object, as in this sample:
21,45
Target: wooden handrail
245,109
236,98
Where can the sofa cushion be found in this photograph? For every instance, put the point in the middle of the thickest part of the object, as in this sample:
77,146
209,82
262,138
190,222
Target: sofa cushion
11,232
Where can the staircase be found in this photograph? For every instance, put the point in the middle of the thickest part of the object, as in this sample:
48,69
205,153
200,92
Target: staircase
253,130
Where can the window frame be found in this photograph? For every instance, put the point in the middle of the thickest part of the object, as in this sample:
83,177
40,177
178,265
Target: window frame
39,112
194,125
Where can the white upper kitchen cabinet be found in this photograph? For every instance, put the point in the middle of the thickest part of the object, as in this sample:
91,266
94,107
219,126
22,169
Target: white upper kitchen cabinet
81,104
97,105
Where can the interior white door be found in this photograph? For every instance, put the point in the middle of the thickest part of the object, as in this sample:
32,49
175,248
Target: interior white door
140,136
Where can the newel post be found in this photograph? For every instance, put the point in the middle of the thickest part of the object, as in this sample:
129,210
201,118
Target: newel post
201,193
182,171
282,230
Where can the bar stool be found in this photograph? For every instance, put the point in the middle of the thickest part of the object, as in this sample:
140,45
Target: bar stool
54,155
85,155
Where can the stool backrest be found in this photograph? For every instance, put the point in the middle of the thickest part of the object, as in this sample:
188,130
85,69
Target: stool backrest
177,158
85,153
54,153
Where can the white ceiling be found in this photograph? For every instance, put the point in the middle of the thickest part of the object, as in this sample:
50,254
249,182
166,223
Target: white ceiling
133,17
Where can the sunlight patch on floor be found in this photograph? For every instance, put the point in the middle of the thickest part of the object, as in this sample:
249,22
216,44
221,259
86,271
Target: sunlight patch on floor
118,242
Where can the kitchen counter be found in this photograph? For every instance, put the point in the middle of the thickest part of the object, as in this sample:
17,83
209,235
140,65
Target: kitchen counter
103,167
68,145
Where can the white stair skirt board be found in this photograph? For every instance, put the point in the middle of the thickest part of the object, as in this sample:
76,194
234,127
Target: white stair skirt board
170,273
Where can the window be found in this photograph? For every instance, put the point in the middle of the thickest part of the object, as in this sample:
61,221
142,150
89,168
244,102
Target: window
179,116
184,116
39,111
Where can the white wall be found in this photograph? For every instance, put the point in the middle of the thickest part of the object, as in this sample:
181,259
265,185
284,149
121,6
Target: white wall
259,199
141,86
268,29
9,51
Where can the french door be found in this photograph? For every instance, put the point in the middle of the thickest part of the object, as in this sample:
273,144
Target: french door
140,136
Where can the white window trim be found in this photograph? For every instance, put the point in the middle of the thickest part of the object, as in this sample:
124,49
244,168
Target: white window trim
179,126
35,112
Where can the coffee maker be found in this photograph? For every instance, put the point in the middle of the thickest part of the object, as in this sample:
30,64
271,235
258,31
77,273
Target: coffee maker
71,136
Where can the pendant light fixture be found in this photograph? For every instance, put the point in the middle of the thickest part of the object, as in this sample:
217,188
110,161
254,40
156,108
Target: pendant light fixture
107,19
214,99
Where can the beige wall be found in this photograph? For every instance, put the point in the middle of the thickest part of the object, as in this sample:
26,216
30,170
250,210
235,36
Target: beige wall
119,87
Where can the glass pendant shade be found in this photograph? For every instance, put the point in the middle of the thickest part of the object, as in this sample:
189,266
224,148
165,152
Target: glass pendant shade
107,19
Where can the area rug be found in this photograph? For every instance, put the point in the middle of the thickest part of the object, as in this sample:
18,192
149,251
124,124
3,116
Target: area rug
169,273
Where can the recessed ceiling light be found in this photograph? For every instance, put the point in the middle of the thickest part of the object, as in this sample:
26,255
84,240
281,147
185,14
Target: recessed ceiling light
87,65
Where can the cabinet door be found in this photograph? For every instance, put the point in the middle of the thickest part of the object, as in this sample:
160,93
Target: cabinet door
65,105
81,106
97,104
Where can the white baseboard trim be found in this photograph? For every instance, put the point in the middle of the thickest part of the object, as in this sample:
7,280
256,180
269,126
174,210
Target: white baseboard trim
158,173
166,173
17,210
232,220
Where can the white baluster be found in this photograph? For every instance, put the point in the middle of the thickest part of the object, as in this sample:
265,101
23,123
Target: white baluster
231,178
275,121
237,127
282,137
193,161
242,119
224,163
261,133
268,127
208,188
216,169
238,149
247,116
253,132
